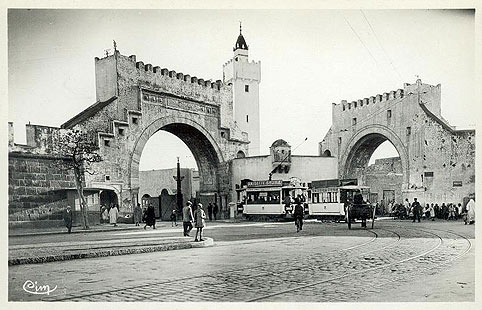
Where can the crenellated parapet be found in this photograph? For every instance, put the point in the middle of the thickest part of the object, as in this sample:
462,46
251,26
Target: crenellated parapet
229,62
379,98
156,70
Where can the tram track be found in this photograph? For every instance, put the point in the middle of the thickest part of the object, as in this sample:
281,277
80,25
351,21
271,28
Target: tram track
190,278
360,272
240,277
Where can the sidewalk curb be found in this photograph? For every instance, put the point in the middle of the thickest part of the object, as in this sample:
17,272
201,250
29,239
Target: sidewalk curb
116,252
63,232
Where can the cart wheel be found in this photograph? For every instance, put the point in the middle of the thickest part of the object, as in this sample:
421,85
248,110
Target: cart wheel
373,217
348,219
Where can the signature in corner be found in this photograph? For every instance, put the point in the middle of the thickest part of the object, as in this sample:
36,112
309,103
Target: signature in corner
33,288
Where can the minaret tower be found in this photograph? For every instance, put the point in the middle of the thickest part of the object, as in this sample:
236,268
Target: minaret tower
245,76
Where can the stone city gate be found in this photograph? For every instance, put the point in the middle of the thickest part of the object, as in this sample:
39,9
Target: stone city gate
134,101
437,160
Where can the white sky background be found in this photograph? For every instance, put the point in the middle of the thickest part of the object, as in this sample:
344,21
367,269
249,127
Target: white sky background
309,59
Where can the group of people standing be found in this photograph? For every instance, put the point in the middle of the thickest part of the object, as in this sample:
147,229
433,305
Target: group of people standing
148,215
198,217
213,210
432,211
110,214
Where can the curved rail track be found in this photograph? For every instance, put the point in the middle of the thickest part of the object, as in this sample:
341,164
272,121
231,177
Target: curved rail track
388,251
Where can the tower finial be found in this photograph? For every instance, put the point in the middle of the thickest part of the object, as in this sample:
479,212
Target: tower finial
239,27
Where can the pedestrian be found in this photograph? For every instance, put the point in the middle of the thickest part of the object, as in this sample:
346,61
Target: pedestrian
137,214
298,215
406,204
287,202
199,217
187,219
417,210
451,212
173,218
210,211
427,211
445,211
389,208
432,212
150,217
68,218
113,213
470,207
215,210
105,215
437,211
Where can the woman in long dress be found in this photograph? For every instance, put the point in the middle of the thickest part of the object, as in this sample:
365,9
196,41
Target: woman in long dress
113,213
199,223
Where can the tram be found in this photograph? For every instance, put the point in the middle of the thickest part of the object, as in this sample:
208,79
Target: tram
268,199
330,200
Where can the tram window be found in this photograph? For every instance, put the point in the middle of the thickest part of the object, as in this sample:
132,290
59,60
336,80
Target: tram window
265,197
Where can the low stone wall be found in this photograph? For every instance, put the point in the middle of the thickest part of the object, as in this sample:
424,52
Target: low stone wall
36,187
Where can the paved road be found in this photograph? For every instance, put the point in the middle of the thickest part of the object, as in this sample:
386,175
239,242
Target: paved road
269,262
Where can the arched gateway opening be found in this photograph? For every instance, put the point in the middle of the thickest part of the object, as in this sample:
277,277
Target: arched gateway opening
376,158
201,144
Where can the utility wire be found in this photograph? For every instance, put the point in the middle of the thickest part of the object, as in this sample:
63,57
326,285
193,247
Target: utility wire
363,43
383,49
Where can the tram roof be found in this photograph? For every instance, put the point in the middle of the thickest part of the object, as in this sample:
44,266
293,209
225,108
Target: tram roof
354,187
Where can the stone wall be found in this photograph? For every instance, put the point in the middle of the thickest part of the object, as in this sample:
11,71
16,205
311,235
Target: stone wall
385,174
152,182
433,154
36,187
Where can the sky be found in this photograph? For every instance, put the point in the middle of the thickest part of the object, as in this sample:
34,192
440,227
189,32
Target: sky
309,59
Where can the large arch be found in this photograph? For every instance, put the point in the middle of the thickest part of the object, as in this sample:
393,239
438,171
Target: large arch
200,142
356,155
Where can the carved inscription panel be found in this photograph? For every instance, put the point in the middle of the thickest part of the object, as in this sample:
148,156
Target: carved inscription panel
154,101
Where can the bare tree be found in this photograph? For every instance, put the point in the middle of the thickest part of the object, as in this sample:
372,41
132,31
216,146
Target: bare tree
79,152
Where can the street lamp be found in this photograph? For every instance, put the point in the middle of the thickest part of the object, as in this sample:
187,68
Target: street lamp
178,179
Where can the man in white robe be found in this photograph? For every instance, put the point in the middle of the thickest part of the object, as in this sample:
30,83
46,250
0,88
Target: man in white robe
470,212
113,213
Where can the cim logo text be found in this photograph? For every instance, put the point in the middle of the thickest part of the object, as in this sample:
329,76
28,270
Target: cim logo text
33,288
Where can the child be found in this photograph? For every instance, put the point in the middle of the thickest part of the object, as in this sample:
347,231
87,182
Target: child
199,217
173,218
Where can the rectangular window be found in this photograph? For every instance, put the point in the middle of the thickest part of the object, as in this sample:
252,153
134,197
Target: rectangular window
457,183
121,131
247,119
409,131
389,114
135,120
107,177
106,142
339,140
354,121
246,88
428,174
